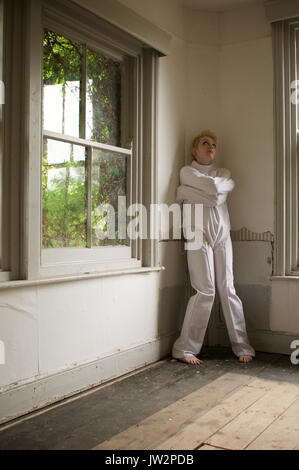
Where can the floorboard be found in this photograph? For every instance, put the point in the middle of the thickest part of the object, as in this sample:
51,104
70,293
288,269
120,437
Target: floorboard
282,434
249,424
172,405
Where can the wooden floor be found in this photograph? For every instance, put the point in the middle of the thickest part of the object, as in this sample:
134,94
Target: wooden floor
220,404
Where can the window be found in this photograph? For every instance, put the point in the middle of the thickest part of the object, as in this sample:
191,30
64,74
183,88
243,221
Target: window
91,107
85,160
286,109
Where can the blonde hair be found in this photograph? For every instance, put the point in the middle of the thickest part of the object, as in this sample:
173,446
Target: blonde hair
205,133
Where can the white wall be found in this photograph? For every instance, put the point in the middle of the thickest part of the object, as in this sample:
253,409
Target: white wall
247,116
167,14
247,134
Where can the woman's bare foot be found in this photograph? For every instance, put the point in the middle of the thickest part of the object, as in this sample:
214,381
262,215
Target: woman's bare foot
245,358
190,360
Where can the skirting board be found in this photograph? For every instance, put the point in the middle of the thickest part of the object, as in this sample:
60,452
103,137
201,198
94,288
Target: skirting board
23,399
262,340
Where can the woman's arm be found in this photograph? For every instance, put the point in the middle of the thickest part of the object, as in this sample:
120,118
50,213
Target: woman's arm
189,176
191,195
223,180
224,185
221,183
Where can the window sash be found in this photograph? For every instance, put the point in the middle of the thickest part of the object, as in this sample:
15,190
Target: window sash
285,44
128,73
86,143
89,254
52,255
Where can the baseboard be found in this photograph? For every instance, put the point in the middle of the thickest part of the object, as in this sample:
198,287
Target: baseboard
40,392
262,340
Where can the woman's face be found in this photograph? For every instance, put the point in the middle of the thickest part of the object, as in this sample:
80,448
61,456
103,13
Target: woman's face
205,151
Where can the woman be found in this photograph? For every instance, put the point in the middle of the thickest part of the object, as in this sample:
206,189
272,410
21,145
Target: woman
210,266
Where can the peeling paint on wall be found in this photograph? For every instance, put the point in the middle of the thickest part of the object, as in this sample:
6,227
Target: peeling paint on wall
246,235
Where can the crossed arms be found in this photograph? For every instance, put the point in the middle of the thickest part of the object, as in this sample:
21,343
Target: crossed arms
198,188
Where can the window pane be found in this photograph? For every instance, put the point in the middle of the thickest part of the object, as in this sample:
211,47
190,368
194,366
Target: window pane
103,99
64,195
109,181
62,80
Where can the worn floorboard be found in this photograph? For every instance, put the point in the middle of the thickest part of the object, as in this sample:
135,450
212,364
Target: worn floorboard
282,434
167,402
201,428
149,433
249,424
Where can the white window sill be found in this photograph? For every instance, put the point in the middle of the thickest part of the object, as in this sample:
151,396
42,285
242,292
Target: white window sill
77,277
285,278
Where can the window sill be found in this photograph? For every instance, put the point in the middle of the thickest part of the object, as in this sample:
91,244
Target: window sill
77,277
284,278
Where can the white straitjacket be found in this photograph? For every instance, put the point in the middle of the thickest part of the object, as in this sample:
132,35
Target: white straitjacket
211,266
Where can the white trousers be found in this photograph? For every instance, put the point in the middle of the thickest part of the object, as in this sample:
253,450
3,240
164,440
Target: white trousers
205,266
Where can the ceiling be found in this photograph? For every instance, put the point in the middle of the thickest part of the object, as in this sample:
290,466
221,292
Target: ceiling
217,5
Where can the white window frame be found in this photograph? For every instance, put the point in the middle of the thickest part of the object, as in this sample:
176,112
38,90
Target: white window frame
66,18
13,140
285,35
4,275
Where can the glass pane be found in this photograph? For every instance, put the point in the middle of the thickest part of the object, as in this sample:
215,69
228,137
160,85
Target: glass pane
62,84
103,99
64,195
109,181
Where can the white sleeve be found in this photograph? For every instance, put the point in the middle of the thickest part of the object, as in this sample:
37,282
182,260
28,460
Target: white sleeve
223,180
189,176
224,185
197,196
221,183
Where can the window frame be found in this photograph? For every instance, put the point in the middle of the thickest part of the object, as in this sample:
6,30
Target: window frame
4,275
66,18
13,140
285,35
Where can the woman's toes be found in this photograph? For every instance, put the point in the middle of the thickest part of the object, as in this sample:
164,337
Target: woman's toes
191,360
194,360
245,358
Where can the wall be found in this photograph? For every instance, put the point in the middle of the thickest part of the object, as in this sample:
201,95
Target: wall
203,74
246,92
